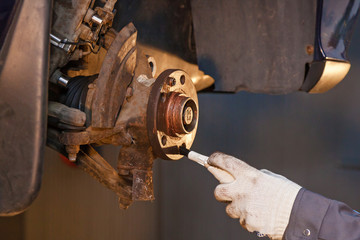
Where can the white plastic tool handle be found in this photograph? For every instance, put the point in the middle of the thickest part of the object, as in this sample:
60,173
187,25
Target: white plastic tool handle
221,175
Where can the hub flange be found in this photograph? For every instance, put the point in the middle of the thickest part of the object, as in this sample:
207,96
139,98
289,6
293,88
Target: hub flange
172,114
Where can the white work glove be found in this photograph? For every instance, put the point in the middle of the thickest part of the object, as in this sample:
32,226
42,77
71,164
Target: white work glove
261,199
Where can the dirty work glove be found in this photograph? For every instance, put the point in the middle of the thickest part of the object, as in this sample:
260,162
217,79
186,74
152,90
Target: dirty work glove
261,199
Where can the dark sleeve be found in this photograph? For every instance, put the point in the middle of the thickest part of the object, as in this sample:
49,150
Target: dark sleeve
316,217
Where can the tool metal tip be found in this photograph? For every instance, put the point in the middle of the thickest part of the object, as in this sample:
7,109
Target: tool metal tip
184,151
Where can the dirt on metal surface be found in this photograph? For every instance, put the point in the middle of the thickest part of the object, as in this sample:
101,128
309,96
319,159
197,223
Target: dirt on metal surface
115,76
113,90
125,105
164,60
169,97
91,162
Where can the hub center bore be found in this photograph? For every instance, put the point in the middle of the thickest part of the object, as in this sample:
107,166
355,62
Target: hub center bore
188,115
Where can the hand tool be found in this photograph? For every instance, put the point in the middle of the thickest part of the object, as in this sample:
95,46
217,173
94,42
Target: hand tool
220,174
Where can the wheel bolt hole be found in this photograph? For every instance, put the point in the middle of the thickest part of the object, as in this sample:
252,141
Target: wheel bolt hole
163,140
182,79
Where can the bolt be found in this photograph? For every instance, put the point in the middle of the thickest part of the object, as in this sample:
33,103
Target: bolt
72,151
188,115
72,157
171,81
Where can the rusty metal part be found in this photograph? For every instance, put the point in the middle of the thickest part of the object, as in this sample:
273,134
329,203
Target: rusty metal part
164,60
115,76
120,105
75,20
105,14
160,60
72,151
172,114
88,16
135,163
135,159
109,5
67,18
177,114
109,38
91,64
104,98
93,135
91,162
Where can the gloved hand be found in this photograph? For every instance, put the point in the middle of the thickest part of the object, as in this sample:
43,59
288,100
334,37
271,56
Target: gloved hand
261,199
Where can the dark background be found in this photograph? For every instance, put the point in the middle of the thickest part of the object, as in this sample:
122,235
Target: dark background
311,139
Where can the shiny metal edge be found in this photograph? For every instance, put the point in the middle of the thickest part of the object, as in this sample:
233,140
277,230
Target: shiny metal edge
333,73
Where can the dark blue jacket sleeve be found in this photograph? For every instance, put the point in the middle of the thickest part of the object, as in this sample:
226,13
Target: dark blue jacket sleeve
316,217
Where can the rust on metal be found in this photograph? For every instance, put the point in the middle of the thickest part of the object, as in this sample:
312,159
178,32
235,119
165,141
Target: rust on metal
91,162
136,157
109,38
115,107
142,189
172,114
126,106
72,21
94,135
138,165
162,60
115,76
135,160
